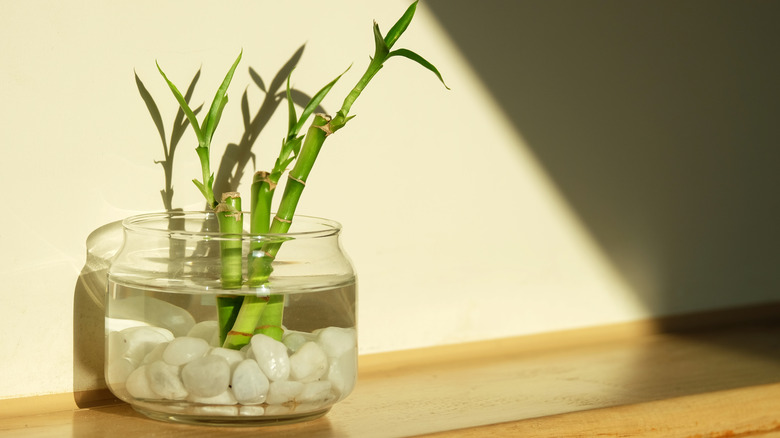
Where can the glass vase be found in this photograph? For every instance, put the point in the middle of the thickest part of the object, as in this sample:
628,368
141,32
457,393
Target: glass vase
177,343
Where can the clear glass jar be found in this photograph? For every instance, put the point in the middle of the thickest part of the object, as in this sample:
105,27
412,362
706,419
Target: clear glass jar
168,317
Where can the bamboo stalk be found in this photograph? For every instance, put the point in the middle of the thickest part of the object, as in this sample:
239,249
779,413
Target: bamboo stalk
230,221
246,322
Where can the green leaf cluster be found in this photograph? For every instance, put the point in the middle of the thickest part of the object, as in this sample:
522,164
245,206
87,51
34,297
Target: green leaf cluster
205,131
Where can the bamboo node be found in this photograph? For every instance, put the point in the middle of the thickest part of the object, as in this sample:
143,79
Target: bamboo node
263,176
237,333
277,218
326,127
303,183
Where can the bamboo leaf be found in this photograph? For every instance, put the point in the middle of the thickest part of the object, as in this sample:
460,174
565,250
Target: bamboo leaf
183,104
200,186
400,26
295,145
213,118
180,123
315,102
418,59
302,99
380,47
291,116
218,104
287,162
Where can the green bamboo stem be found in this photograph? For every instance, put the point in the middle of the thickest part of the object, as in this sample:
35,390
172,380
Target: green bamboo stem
270,323
260,267
230,222
262,194
228,307
246,322
231,225
266,317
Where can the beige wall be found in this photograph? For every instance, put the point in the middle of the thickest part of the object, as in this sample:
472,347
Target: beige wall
470,214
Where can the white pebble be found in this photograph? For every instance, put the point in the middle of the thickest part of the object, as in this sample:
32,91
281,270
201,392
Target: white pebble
164,380
138,384
154,312
336,340
156,354
315,391
206,330
233,357
251,411
246,350
279,410
309,363
185,349
226,398
249,384
207,376
136,342
342,373
283,391
294,341
272,357
216,411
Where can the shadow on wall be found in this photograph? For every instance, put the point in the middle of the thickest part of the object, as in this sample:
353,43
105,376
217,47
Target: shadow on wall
89,299
658,124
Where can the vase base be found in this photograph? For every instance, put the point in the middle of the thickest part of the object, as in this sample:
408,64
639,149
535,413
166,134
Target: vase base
227,420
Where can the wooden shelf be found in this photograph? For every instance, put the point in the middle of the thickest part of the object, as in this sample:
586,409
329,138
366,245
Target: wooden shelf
721,379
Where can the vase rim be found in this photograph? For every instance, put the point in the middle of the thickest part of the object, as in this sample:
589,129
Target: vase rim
144,223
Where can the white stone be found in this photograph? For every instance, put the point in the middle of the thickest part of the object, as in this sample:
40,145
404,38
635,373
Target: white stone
225,398
251,411
206,376
215,411
246,350
294,340
315,391
279,410
283,391
342,373
118,370
249,384
115,346
154,312
156,354
336,340
233,357
164,380
136,342
206,330
185,349
138,386
309,363
272,357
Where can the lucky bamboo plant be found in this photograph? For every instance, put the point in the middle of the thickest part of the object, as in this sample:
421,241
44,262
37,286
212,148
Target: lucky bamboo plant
240,317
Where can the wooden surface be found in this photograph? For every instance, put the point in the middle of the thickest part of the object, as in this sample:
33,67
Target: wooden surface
619,381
